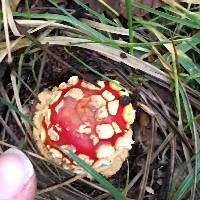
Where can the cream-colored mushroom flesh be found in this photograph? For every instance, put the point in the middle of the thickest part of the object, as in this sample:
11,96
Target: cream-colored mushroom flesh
88,120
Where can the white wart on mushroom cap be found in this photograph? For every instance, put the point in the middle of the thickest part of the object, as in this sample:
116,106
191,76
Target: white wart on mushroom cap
88,120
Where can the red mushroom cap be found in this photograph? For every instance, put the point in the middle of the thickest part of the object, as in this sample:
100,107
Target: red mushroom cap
88,120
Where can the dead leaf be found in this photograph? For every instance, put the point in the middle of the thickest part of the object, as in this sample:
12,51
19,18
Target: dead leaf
145,129
120,7
14,4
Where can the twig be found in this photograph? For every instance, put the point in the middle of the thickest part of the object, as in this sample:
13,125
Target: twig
182,136
94,185
9,131
54,187
172,164
26,85
5,21
148,162
43,62
172,143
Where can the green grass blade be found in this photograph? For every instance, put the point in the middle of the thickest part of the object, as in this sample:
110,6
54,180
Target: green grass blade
1,23
185,61
167,16
140,21
101,17
35,58
121,43
197,117
69,19
187,182
27,8
127,180
194,175
188,65
72,17
192,16
130,22
194,76
20,65
104,183
184,187
176,84
188,44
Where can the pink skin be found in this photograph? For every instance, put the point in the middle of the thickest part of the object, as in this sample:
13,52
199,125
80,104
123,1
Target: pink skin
17,176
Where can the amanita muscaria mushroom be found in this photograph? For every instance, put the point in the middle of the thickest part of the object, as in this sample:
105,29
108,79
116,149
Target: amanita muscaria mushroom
88,120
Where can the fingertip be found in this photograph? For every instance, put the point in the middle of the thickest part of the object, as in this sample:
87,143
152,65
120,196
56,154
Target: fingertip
16,175
29,190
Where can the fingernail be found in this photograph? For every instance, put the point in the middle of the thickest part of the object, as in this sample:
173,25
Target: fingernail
17,176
